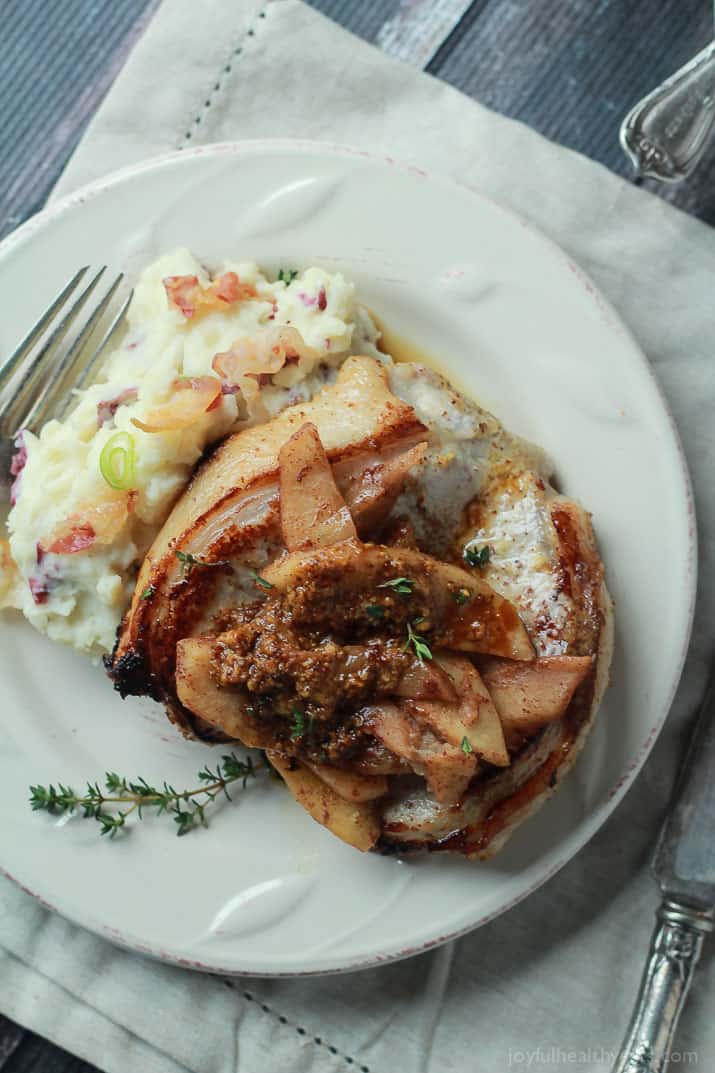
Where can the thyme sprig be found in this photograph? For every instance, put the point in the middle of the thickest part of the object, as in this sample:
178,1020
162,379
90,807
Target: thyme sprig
187,807
420,646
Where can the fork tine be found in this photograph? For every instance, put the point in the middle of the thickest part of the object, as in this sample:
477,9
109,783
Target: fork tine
64,371
33,368
101,349
8,369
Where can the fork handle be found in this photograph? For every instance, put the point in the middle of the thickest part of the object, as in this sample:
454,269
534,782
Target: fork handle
674,952
666,133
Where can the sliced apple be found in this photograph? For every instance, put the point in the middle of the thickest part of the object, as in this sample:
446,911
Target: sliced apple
97,523
313,512
426,681
378,760
392,727
400,534
372,483
446,768
355,822
224,709
528,696
472,724
348,784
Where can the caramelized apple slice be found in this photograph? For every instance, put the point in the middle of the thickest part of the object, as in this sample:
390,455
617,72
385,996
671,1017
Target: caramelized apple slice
191,398
377,760
472,724
355,822
446,769
466,614
527,696
372,484
426,681
400,534
313,512
348,784
224,709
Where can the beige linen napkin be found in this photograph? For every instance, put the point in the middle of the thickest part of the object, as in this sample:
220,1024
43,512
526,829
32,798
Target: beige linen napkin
550,983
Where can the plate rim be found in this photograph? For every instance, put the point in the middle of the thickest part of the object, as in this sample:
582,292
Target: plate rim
595,820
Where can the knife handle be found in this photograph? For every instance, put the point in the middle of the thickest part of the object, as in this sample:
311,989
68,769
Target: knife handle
674,953
667,132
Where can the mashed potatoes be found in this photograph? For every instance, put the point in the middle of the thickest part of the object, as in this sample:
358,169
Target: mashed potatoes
200,358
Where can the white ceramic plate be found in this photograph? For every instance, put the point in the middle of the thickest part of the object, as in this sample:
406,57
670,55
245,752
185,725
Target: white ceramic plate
265,889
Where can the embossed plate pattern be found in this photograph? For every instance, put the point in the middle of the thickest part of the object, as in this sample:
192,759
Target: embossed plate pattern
265,889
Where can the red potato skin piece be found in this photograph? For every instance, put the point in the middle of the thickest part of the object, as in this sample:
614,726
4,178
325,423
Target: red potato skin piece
80,538
188,296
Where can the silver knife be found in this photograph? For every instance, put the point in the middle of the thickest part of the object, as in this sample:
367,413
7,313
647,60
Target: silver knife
684,867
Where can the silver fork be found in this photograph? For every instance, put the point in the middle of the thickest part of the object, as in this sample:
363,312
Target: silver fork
36,381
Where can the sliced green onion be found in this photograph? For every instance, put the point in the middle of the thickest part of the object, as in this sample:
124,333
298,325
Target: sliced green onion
117,461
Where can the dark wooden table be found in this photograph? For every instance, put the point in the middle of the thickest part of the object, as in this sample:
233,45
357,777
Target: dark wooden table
569,68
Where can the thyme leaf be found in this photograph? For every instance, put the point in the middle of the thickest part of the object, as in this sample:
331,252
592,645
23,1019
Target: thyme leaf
477,556
261,580
403,585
